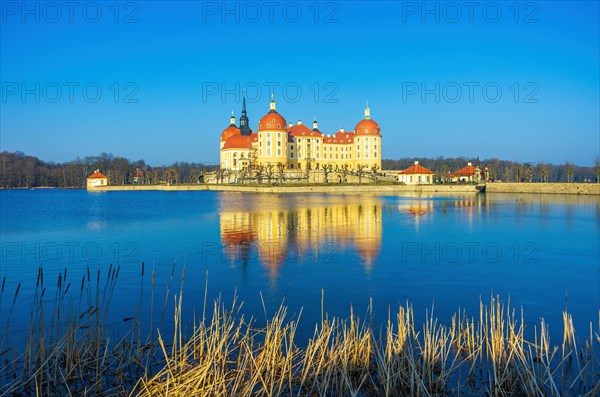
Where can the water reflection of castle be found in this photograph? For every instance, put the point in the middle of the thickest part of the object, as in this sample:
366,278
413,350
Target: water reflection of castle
272,229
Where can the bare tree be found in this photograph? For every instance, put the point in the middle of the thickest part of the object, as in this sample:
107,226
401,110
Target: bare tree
344,170
374,170
544,171
327,169
570,169
444,173
259,172
281,172
506,175
360,172
270,172
309,166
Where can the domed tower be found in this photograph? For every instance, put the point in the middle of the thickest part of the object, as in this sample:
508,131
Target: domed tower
367,141
230,131
272,137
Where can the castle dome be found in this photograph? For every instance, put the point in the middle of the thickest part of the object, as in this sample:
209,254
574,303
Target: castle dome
229,132
367,126
272,120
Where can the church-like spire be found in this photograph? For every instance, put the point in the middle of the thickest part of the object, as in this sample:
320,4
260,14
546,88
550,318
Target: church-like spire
272,106
315,124
244,122
367,112
232,120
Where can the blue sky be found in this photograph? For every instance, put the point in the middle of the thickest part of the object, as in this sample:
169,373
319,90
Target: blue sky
442,79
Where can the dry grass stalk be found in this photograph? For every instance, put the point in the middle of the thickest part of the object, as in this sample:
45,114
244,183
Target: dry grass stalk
68,350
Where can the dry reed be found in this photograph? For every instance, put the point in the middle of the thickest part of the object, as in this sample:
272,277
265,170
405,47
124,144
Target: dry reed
69,350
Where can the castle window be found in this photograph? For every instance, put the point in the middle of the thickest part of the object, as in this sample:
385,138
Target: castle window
278,125
278,143
268,125
279,152
291,147
268,152
375,155
268,143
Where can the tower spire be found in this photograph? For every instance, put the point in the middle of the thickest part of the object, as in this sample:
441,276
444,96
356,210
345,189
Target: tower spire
272,106
232,119
244,122
367,112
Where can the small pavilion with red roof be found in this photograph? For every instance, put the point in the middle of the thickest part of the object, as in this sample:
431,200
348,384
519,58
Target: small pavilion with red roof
97,179
416,175
467,174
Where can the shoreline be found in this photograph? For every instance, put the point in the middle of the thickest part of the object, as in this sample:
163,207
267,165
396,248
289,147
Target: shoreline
294,189
592,189
497,187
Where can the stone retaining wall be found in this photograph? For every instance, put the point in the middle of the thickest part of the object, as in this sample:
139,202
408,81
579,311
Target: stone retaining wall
333,188
545,188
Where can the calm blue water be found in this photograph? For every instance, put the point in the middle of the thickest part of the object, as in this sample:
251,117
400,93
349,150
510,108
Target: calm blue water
446,252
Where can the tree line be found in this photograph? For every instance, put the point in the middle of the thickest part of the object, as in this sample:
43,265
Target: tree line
18,170
504,170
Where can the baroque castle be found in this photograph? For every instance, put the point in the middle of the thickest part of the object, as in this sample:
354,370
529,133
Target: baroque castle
297,146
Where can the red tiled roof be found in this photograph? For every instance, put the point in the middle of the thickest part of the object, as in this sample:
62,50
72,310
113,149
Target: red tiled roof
417,169
237,237
97,175
230,131
239,142
341,137
367,127
303,130
272,121
468,170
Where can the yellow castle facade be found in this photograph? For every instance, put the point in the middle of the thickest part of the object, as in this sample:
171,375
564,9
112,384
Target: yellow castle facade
296,147
305,230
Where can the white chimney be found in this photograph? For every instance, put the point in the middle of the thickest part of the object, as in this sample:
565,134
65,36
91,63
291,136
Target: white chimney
299,122
341,129
469,164
291,125
416,163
